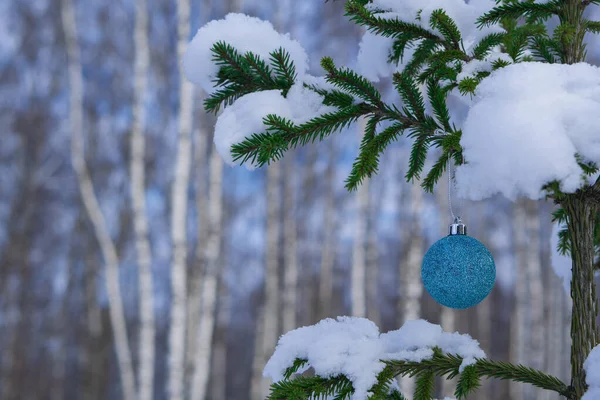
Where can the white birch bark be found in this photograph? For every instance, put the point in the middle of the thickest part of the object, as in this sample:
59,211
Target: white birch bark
92,206
359,259
410,272
197,271
212,250
372,264
140,219
535,302
518,321
179,204
290,237
328,248
268,323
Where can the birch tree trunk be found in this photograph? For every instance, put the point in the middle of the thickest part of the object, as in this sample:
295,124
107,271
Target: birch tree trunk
372,262
518,321
268,322
196,275
91,205
359,259
410,272
205,329
200,168
535,291
328,248
138,196
179,204
290,237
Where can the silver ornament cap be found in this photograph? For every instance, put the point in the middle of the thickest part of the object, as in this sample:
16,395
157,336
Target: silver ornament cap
457,228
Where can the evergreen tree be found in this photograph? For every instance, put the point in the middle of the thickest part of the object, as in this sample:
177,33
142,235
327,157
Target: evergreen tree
434,69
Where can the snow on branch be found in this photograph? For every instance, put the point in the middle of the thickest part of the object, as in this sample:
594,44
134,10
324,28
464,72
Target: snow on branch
527,123
354,348
245,34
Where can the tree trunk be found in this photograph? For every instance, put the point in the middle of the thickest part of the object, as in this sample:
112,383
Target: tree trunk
585,334
267,330
196,272
290,239
518,322
90,201
359,258
206,325
328,248
179,204
138,196
410,270
535,293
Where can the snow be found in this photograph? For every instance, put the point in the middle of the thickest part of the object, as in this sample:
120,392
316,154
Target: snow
372,60
561,264
353,347
530,117
245,116
245,34
592,375
375,50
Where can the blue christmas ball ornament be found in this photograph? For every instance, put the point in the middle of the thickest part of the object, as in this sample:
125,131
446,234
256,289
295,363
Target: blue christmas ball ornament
458,271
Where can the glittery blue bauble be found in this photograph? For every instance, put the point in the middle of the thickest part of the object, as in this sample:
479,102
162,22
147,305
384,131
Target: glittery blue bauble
458,271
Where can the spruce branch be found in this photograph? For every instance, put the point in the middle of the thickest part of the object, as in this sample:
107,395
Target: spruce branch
468,382
515,10
367,162
424,385
282,134
448,365
312,387
243,74
442,22
351,82
392,27
486,44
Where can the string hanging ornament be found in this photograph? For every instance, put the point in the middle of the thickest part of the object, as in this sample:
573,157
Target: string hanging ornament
458,271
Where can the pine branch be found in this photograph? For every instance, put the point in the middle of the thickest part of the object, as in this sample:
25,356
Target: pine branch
351,82
295,367
519,9
421,56
393,27
367,162
424,385
486,44
313,387
411,95
468,382
447,365
282,134
520,373
442,22
243,74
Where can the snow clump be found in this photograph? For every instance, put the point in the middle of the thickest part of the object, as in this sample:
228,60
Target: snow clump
355,348
592,375
524,127
245,116
372,61
244,33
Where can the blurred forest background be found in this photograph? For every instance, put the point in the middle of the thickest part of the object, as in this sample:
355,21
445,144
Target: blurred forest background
135,265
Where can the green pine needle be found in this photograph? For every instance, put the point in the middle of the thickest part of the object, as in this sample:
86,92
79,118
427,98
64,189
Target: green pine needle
515,10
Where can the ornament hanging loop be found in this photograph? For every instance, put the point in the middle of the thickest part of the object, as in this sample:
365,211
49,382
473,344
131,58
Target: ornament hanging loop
457,228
